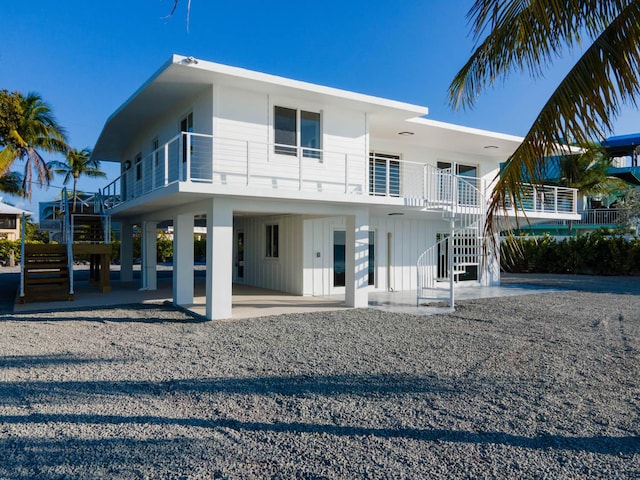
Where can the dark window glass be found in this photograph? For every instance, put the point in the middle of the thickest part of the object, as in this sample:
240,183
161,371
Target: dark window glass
8,222
285,127
339,240
310,134
271,246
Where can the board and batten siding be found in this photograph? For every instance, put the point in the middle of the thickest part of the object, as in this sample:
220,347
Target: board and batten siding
283,273
409,239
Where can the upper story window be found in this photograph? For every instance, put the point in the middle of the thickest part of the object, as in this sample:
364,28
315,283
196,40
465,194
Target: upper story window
297,128
384,174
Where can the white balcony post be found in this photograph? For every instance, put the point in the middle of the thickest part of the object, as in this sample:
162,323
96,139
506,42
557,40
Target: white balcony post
424,181
575,202
534,192
299,150
188,166
154,156
387,177
166,164
555,199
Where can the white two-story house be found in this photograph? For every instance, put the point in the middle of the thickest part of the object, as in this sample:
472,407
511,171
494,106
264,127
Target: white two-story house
304,188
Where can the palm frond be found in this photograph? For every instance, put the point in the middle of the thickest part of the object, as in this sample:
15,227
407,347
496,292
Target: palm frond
525,35
582,107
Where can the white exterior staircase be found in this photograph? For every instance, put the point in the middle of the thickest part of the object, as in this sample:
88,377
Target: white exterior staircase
464,207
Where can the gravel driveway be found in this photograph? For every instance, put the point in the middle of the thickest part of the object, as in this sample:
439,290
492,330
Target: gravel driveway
539,386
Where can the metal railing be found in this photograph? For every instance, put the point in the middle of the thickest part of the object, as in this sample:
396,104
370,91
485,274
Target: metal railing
594,216
198,158
546,199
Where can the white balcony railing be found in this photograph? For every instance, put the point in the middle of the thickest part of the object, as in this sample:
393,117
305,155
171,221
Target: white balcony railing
197,158
594,217
547,199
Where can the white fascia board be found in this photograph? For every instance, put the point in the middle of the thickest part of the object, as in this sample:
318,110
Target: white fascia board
467,130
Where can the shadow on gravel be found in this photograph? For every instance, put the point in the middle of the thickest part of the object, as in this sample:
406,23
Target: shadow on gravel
594,444
96,314
16,393
28,361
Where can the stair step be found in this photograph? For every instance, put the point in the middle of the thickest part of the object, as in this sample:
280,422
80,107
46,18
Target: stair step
45,266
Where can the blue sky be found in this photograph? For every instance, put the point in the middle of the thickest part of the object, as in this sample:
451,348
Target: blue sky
85,57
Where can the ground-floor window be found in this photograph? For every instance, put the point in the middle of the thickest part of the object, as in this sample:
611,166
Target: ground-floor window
272,241
339,257
8,222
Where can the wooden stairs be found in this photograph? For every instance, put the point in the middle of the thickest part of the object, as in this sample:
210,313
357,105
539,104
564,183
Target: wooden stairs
46,273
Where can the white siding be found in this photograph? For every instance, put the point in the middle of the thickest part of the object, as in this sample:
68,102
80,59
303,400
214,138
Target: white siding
409,239
283,273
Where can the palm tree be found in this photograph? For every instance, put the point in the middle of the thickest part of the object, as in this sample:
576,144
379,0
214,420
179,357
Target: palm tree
78,163
588,172
11,182
527,35
36,130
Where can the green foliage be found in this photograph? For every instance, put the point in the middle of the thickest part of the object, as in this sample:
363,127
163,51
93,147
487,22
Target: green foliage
6,246
597,253
164,248
10,114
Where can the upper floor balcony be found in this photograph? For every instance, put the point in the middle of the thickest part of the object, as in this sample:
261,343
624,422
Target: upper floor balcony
225,166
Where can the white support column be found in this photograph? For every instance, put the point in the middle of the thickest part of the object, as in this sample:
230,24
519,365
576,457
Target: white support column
149,240
219,259
357,259
183,259
126,252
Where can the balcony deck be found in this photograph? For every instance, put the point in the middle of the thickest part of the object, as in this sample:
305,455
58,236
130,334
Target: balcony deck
202,164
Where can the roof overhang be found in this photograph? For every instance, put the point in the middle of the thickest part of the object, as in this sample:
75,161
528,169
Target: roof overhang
182,78
446,136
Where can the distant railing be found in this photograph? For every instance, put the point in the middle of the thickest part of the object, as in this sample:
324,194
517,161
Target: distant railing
198,158
594,216
546,199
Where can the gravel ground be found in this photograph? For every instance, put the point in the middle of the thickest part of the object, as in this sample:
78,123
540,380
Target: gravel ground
539,386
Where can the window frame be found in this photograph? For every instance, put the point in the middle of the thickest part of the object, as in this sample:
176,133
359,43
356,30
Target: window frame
290,149
392,186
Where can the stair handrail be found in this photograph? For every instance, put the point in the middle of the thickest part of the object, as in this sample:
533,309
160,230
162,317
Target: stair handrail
23,230
463,204
69,237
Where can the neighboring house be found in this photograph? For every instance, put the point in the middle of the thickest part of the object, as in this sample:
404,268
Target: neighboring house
303,188
11,221
601,211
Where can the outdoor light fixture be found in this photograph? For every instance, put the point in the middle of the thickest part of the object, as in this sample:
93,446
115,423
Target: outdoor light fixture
395,213
191,61
491,147
127,165
405,134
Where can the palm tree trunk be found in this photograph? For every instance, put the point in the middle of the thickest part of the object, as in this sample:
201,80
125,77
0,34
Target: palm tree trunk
75,197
